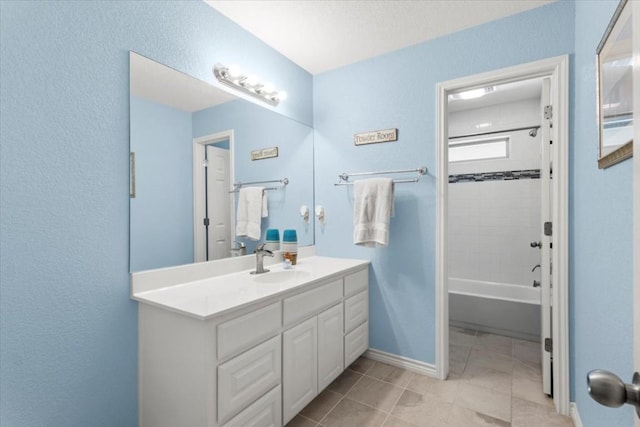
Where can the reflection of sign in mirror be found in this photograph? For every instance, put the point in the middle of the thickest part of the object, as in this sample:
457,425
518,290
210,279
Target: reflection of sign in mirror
264,153
385,135
615,89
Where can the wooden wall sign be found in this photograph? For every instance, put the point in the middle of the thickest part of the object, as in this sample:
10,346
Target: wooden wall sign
376,136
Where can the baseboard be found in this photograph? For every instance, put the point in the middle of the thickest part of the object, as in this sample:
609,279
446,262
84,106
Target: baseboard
402,362
575,416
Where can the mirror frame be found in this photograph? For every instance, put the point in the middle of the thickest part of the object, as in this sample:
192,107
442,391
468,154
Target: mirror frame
624,151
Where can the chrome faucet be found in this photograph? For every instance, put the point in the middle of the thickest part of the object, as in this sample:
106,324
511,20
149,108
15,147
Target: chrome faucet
260,253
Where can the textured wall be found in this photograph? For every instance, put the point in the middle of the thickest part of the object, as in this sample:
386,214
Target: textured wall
69,332
398,90
600,237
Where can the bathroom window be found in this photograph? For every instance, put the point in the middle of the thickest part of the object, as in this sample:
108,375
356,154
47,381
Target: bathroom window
479,149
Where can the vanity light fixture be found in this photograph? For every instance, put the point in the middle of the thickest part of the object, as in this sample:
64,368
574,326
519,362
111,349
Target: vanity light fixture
234,78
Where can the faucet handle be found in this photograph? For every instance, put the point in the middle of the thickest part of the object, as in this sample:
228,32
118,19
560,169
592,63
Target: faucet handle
261,249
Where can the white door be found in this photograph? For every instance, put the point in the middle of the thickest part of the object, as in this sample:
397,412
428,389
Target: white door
299,367
546,236
218,203
330,346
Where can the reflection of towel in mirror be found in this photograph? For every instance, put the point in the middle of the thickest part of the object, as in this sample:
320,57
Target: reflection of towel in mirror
252,207
372,210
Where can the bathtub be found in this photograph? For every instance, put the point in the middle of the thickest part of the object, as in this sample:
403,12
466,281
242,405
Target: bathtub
498,308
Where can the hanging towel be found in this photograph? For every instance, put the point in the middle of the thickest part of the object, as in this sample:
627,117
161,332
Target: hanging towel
372,210
252,207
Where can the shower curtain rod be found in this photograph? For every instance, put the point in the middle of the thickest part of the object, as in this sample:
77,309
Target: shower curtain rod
495,131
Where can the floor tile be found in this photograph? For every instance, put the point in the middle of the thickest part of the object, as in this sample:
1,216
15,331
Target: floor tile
375,393
495,343
421,410
463,417
397,422
446,390
487,378
489,402
462,336
530,414
300,421
529,370
531,390
348,413
344,382
459,352
321,405
485,358
362,365
527,350
390,374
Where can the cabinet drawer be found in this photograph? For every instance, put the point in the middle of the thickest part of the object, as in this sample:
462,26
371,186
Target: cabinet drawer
246,377
356,282
356,343
300,306
356,310
242,332
264,412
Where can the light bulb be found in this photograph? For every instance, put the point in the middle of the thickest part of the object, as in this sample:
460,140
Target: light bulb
234,72
251,80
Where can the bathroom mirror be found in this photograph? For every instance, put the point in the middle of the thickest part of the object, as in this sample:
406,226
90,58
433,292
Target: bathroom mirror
176,121
615,89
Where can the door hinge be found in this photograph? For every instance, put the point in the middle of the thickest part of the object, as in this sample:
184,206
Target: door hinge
206,222
548,345
548,112
547,228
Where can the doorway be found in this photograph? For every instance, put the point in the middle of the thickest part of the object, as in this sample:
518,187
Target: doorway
550,79
213,204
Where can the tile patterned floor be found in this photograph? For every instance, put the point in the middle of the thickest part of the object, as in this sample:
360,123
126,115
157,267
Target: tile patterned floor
493,381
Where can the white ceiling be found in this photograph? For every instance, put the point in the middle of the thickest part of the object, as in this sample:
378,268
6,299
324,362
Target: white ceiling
323,35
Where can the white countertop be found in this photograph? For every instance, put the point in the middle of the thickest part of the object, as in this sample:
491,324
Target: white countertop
211,297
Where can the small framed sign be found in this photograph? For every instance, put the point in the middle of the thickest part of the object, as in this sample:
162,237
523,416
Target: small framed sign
376,136
264,153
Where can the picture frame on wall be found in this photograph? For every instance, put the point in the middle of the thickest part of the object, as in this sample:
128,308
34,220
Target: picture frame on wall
614,66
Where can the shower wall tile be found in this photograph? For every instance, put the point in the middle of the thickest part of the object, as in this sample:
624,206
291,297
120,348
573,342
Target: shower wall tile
490,228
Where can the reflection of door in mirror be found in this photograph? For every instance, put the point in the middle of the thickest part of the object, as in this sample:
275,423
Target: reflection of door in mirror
213,205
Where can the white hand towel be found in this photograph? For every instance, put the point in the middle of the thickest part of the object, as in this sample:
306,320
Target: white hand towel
372,210
252,207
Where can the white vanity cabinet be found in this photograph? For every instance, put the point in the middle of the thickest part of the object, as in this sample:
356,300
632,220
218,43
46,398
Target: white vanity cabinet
254,366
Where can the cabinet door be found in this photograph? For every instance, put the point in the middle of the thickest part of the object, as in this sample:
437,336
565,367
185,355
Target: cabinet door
299,367
330,346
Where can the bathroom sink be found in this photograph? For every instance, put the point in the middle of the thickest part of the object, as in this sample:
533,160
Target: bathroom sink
281,276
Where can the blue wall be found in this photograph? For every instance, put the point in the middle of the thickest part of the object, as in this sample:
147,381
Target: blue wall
255,128
600,237
69,330
398,90
161,213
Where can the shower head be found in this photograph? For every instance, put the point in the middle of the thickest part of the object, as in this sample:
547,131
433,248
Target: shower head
533,132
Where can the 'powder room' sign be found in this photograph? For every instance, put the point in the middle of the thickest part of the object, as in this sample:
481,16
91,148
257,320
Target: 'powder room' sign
385,135
265,153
